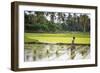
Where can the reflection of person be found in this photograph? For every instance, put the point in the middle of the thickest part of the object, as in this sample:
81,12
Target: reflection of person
73,48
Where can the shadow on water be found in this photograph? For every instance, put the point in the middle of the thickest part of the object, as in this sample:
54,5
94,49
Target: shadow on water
49,52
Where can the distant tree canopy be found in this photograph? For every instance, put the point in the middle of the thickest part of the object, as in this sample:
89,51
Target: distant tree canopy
56,22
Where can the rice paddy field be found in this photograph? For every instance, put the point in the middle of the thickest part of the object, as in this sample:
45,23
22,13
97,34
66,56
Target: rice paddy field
40,51
80,38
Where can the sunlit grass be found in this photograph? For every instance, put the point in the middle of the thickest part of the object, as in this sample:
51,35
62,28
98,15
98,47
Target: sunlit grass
81,38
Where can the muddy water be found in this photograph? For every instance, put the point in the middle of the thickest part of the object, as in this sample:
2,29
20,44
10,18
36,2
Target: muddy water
49,52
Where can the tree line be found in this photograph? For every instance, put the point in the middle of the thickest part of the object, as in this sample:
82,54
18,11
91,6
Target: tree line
36,21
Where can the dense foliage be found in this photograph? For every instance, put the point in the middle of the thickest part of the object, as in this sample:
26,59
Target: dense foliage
54,22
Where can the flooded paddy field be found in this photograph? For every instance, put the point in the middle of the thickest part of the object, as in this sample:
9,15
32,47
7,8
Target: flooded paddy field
51,52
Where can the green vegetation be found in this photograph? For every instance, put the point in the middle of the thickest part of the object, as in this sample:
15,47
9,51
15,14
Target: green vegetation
81,38
57,27
55,22
62,29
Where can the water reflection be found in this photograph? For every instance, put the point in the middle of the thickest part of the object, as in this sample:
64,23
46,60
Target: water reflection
48,52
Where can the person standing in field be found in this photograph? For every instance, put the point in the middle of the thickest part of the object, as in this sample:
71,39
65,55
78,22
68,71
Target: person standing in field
72,48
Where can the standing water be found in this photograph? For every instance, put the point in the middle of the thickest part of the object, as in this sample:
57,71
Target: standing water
49,52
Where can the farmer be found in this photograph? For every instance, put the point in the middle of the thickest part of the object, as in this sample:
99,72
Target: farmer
73,48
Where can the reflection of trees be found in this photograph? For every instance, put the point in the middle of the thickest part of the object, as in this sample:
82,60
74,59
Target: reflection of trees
56,21
51,51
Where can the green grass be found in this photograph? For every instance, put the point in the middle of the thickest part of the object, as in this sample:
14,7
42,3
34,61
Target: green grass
81,38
